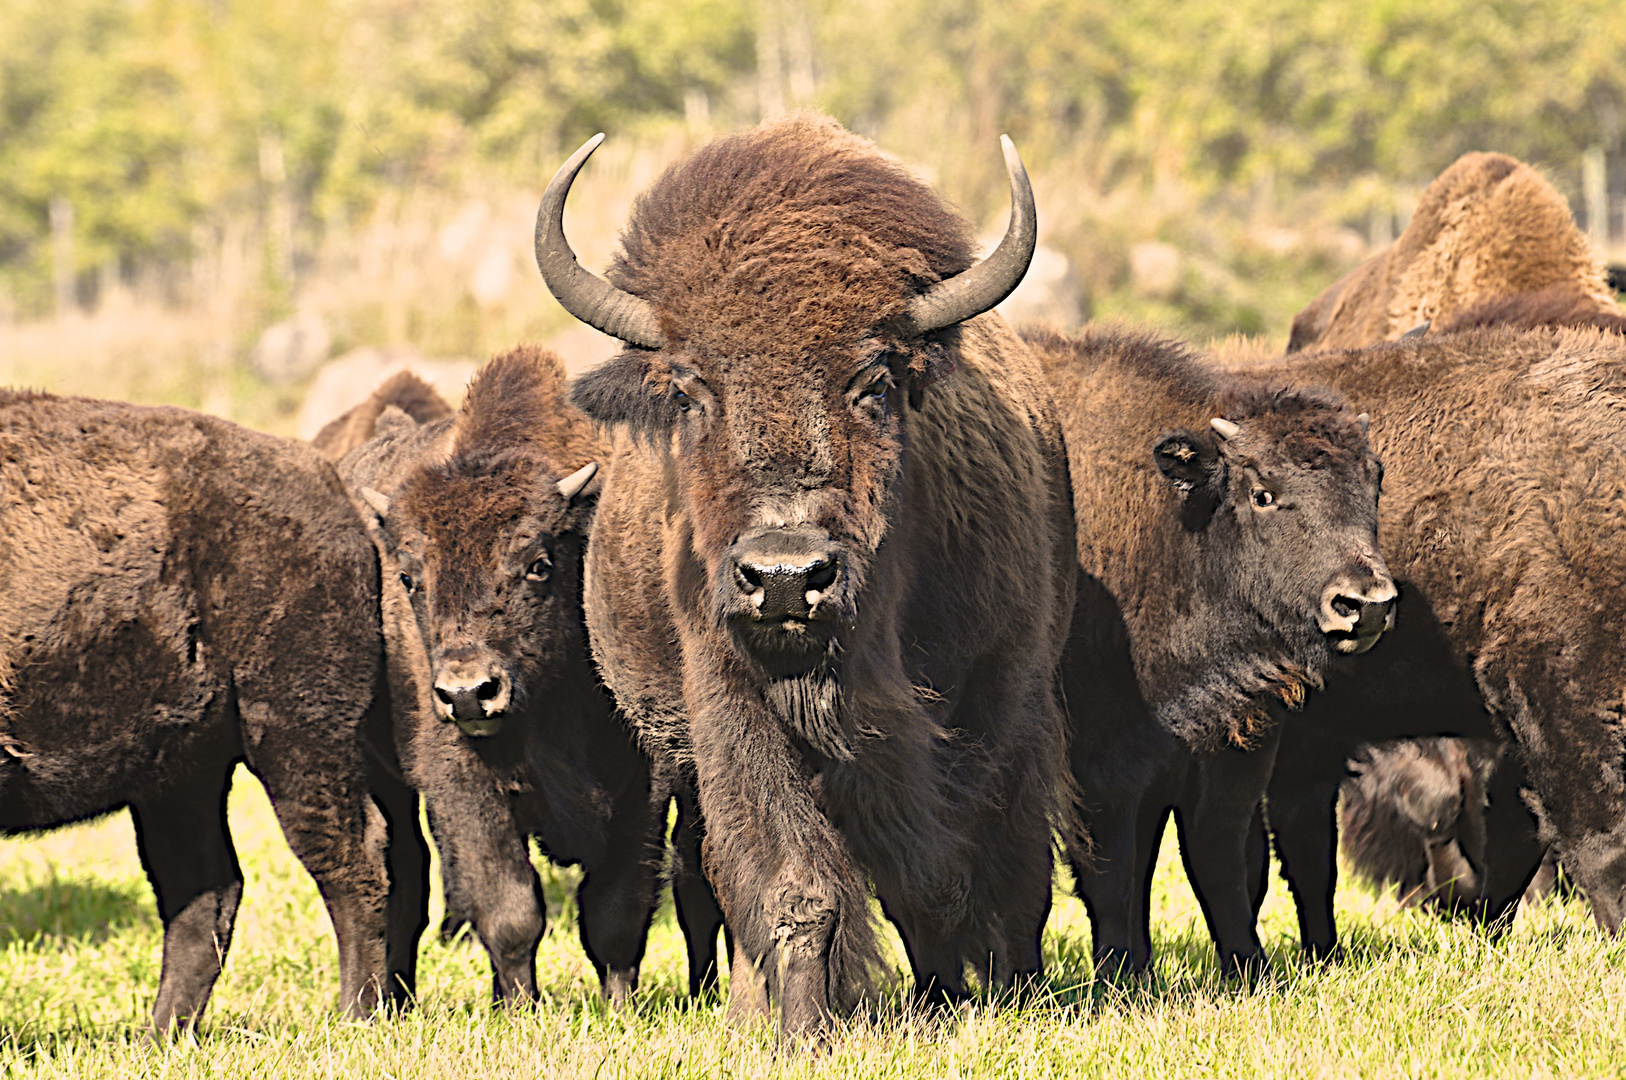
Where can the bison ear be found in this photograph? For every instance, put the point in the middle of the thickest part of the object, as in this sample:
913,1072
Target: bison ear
621,391
1192,463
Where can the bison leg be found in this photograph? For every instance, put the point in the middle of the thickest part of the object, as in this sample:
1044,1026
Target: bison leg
487,865
455,919
343,839
1214,819
1115,884
1304,823
797,905
186,849
408,913
616,900
1513,853
692,898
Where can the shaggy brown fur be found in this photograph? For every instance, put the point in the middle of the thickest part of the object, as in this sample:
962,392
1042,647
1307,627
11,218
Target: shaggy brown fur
404,391
1206,565
180,594
903,728
1413,817
1505,515
1488,229
485,585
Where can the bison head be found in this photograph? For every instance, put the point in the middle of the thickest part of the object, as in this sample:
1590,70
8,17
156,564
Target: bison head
488,545
1285,489
787,296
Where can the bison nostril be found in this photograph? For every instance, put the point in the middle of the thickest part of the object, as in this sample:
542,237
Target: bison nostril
821,575
445,698
1345,608
488,689
747,577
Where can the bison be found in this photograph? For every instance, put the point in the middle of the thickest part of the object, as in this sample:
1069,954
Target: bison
831,569
1413,817
1227,538
1491,242
483,518
182,594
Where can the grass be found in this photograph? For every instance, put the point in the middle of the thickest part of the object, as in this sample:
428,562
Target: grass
80,944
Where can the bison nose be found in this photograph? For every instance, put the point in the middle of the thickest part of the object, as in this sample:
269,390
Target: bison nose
1356,611
472,698
786,586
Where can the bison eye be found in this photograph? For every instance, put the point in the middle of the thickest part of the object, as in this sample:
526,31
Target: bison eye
878,386
1263,499
683,401
540,570
406,581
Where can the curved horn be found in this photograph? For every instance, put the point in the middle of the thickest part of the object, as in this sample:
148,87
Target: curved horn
379,501
1226,429
956,299
582,293
571,486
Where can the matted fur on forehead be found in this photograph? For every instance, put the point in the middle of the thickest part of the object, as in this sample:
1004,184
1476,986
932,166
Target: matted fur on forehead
514,437
798,223
1313,427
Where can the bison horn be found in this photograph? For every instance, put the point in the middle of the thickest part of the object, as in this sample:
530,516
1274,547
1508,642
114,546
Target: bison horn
1226,429
1417,331
572,485
581,292
956,299
1365,420
379,501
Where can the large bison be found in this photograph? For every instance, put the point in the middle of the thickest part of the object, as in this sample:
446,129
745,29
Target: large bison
1227,535
831,569
483,518
1491,243
181,594
1502,519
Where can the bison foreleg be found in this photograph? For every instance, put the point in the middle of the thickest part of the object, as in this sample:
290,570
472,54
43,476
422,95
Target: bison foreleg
695,903
616,900
187,852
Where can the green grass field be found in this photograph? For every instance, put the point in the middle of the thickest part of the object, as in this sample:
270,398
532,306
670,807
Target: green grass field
1415,997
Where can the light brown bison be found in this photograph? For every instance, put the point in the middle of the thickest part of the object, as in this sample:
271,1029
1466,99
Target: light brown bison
1491,243
832,565
1227,535
179,595
403,391
483,518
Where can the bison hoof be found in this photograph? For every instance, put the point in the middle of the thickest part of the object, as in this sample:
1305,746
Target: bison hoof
619,985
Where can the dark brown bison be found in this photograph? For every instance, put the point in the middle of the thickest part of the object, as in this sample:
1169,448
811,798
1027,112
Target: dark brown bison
1502,519
506,728
1494,245
831,569
181,594
1227,534
1491,242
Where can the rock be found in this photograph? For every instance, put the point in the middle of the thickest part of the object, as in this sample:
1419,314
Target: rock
291,349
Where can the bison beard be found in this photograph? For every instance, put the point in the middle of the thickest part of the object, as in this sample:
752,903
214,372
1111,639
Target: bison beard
810,705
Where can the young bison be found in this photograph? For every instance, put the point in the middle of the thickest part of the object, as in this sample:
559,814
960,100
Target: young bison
506,729
831,570
178,595
1227,534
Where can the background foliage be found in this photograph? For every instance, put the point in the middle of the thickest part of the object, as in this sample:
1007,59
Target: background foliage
1206,165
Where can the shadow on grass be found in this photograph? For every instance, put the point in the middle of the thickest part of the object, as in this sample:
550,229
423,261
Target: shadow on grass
61,909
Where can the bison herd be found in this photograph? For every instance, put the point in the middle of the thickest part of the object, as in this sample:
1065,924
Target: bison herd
891,600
